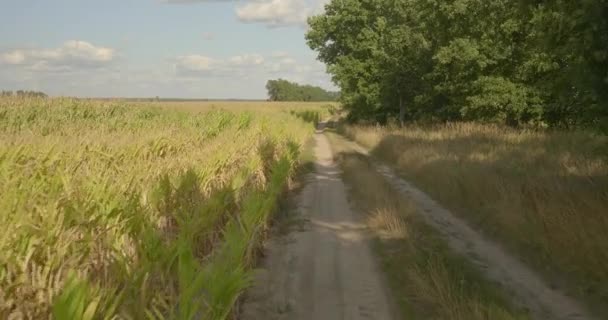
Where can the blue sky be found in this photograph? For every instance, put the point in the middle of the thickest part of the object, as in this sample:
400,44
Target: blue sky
167,48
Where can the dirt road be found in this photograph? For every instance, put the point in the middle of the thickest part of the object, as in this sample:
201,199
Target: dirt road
324,270
527,288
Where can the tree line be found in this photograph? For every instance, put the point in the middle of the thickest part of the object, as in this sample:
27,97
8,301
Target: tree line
23,93
283,90
539,62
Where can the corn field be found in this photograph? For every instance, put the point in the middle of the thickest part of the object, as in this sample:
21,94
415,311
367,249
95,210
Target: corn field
111,211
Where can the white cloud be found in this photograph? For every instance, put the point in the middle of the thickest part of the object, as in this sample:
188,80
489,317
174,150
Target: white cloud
279,54
192,75
282,64
275,13
275,64
306,71
247,60
85,51
251,67
192,1
208,35
195,65
14,57
72,55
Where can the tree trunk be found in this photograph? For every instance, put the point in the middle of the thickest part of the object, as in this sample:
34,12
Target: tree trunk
401,111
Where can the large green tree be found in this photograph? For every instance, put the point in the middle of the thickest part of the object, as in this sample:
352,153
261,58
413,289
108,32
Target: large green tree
508,61
283,90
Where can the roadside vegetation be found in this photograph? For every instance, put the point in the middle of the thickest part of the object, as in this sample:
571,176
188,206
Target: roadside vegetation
542,194
111,210
426,279
503,108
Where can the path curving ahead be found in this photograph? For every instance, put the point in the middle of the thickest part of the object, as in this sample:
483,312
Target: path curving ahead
526,286
324,270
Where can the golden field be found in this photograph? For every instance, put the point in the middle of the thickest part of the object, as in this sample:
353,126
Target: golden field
119,210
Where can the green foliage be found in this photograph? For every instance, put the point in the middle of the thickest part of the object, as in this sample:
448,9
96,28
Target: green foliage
498,99
74,302
514,62
283,90
23,93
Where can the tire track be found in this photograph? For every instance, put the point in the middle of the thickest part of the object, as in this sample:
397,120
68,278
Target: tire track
525,285
326,270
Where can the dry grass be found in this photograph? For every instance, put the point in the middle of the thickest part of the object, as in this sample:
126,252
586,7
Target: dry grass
427,280
543,194
389,225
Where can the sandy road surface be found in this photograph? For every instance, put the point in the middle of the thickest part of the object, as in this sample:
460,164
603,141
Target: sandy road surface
324,270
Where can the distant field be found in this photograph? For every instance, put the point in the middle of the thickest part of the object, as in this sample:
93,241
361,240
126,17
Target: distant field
257,106
136,209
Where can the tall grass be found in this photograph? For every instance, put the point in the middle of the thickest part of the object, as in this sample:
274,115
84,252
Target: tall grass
113,211
428,281
543,194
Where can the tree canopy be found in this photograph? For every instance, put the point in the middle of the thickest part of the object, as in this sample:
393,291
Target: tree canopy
541,62
283,90
23,93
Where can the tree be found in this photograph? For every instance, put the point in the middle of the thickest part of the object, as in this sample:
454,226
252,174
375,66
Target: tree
283,90
23,93
513,62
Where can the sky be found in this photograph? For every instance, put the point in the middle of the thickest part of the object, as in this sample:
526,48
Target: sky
145,48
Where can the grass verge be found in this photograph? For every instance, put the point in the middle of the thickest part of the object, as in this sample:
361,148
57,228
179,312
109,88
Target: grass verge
427,280
542,194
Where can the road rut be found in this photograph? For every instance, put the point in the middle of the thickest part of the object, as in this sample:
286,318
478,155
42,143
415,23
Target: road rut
324,270
527,288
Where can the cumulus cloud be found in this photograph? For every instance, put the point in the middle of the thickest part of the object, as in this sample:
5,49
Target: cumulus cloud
192,1
275,13
274,63
279,54
302,70
247,60
72,55
282,64
208,35
195,65
191,75
252,69
13,57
